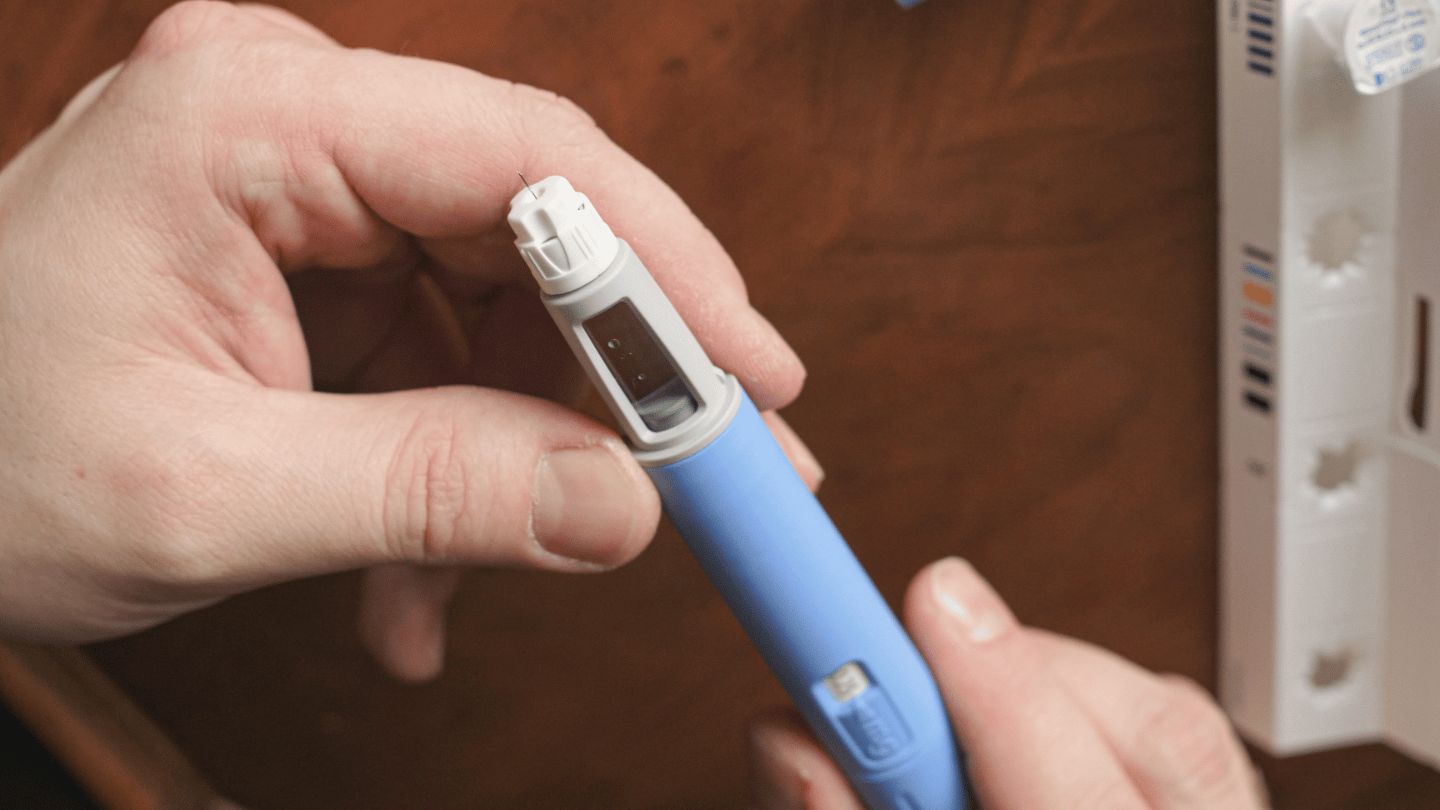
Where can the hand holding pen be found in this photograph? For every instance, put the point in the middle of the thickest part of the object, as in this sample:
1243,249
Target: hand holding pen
186,251
1048,722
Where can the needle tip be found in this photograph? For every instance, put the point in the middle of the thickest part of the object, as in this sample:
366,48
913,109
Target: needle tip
527,186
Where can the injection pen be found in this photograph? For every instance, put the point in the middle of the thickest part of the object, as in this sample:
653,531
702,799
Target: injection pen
761,536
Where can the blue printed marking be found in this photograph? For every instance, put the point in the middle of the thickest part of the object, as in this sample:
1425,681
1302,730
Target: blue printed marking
1260,35
1256,334
870,732
1416,41
1262,20
1392,51
1259,272
1260,68
1259,51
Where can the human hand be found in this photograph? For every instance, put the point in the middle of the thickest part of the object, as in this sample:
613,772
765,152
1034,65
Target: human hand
242,207
1046,721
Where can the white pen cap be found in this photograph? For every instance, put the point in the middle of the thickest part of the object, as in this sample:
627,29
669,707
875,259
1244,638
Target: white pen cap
560,235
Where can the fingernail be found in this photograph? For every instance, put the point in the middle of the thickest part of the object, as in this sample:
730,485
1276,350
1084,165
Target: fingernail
584,504
777,777
969,601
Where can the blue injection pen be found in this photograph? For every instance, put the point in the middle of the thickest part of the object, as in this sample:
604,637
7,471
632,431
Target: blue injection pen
761,536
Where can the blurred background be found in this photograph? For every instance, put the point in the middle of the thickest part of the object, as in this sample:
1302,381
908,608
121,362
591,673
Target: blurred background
989,230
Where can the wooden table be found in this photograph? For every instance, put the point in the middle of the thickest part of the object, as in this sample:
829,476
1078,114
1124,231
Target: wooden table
988,227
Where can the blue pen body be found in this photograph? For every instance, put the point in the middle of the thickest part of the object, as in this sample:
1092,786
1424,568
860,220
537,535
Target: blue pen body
810,609
761,536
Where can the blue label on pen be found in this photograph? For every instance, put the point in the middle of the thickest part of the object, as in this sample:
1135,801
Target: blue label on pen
869,724
873,726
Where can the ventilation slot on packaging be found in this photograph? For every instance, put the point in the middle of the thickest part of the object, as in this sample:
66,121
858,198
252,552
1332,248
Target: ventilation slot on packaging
1336,468
1419,394
1336,240
1330,670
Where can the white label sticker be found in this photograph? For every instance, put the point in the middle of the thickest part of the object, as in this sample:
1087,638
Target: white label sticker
1390,42
847,682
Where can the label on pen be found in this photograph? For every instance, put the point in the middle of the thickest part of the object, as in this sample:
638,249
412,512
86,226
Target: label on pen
847,682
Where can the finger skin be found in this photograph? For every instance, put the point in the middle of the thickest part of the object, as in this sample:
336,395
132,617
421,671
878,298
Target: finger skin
790,771
1029,745
430,476
1173,740
402,618
86,97
290,22
800,456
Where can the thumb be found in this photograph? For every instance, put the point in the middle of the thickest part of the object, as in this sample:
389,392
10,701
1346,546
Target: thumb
282,484
1028,744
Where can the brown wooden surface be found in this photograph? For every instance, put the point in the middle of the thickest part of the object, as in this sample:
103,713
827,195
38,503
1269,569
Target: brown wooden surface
114,751
989,229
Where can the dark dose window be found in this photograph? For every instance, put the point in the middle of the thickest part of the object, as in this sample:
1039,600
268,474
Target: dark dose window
658,392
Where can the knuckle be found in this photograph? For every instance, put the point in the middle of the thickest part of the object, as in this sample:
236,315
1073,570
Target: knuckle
565,109
548,107
427,497
185,25
540,116
1192,741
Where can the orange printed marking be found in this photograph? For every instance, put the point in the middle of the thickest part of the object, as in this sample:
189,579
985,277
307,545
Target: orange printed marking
1259,318
1259,294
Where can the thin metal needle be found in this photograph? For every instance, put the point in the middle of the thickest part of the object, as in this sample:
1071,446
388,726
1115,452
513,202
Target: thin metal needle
527,187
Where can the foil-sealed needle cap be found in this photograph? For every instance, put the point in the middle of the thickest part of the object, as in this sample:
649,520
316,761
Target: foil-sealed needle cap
560,235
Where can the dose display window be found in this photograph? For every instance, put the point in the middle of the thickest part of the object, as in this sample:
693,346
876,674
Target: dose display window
650,381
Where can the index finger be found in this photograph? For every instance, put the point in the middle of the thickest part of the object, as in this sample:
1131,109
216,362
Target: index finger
434,149
328,153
